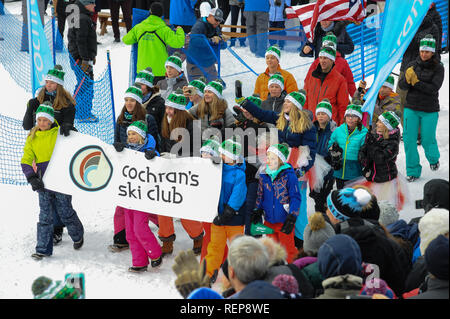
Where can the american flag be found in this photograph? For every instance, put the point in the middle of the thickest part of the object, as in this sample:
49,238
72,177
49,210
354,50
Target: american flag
330,10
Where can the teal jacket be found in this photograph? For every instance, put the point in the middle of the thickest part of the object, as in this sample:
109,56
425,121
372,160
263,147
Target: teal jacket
350,144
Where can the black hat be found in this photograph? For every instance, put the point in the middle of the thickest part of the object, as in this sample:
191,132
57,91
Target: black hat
353,202
436,257
157,9
435,194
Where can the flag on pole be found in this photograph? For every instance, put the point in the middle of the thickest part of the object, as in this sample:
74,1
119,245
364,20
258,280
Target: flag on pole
41,58
330,10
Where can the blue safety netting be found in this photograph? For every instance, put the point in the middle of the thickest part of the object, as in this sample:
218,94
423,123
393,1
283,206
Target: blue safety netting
94,115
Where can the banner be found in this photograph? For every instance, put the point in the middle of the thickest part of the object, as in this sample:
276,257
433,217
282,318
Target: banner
401,21
40,54
181,187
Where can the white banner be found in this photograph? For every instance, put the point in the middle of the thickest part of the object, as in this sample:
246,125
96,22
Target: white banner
182,187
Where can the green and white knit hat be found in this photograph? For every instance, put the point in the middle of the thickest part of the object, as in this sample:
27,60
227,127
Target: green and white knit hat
428,43
325,107
278,79
216,87
199,84
139,127
330,40
389,82
298,98
231,148
145,77
134,92
44,288
255,99
354,109
280,150
175,62
56,75
328,52
46,110
177,100
211,146
390,120
275,51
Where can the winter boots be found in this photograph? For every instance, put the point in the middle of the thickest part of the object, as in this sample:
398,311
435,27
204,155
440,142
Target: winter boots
167,248
198,242
38,256
137,269
57,235
156,262
116,248
78,244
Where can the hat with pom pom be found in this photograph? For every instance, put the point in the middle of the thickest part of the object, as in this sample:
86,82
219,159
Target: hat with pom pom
175,62
348,202
316,233
145,77
286,283
56,75
281,150
231,148
46,110
211,146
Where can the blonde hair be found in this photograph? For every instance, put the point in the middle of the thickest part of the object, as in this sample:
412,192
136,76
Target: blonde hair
216,109
385,131
299,121
62,99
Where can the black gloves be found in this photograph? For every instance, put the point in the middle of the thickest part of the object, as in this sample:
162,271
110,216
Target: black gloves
119,146
256,216
225,217
149,154
289,224
216,160
65,129
36,182
336,156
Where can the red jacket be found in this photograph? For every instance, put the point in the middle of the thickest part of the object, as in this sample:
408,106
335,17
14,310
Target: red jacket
333,87
342,66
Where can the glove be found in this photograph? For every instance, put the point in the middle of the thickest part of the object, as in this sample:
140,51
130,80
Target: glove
215,39
119,146
190,274
411,76
36,182
225,217
225,37
65,129
289,224
150,154
86,66
239,100
256,216
239,115
336,156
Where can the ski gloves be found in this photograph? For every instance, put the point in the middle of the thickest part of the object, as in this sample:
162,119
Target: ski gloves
36,182
190,274
336,156
225,217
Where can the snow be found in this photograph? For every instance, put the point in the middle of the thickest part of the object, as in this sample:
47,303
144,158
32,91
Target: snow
105,272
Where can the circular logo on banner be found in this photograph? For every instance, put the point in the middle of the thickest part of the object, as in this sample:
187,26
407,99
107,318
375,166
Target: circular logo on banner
90,169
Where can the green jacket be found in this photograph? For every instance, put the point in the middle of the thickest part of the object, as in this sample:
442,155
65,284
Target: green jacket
151,51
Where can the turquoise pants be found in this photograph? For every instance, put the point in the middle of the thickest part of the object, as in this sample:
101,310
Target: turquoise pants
412,120
302,219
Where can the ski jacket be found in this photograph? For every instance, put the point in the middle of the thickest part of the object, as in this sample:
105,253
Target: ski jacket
201,47
274,103
262,81
82,40
156,106
233,192
182,12
166,86
120,131
257,5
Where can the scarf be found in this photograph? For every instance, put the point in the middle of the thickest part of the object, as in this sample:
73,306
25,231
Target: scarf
273,174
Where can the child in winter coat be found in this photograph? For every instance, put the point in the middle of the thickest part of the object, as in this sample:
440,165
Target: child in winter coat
39,148
278,198
229,221
277,94
194,91
143,243
175,77
344,145
378,156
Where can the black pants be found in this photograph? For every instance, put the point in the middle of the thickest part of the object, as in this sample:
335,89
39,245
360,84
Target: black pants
144,4
115,6
235,16
224,5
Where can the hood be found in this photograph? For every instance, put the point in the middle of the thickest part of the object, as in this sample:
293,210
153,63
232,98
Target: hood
435,194
345,282
153,23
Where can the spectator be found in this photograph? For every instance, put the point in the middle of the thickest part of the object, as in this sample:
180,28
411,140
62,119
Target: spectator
422,80
45,288
256,14
41,8
202,8
326,82
182,14
175,78
273,59
340,263
153,36
224,5
275,98
114,6
436,17
236,7
277,17
143,4
316,233
194,91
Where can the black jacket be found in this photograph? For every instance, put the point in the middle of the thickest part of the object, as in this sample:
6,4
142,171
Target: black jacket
155,106
378,156
63,116
83,38
424,95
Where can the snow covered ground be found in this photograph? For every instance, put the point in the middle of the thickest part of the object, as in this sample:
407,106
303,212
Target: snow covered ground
106,273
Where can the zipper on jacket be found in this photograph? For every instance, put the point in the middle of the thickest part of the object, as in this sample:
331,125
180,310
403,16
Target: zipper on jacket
346,144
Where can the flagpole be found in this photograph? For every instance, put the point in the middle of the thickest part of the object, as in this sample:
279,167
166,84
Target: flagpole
30,47
362,50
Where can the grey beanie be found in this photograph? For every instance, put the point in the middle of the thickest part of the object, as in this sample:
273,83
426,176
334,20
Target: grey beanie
388,213
316,233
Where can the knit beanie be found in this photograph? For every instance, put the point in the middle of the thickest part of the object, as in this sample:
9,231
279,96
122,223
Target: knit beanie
44,288
436,257
231,148
56,75
328,52
316,233
298,98
431,225
277,79
377,286
390,120
139,127
354,109
40,284
177,100
145,77
428,43
46,110
348,202
286,283
134,92
275,51
325,106
255,99
211,146
280,150
329,40
216,87
199,84
389,82
175,61
388,213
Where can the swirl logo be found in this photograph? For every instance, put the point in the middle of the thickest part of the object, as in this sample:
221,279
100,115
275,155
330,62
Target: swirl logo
90,169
